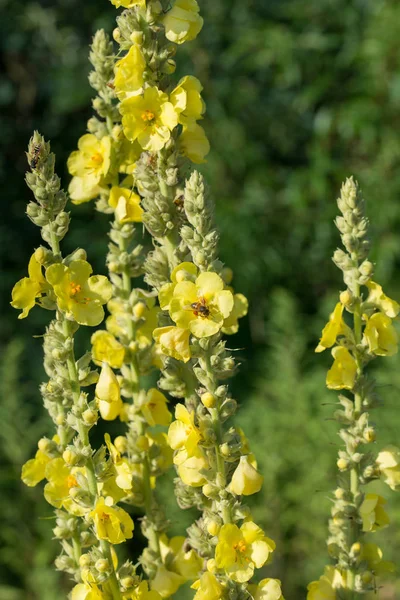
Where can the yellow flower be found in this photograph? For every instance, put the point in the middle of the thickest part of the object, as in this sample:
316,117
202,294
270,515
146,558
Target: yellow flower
34,470
342,374
61,479
240,307
105,348
149,119
267,589
186,564
126,204
380,335
324,588
128,154
108,394
186,271
208,588
182,22
128,3
163,460
194,143
190,467
142,592
26,290
240,551
187,100
388,461
89,165
183,432
173,341
246,480
166,582
372,513
112,523
201,306
80,296
378,299
154,408
129,73
335,327
87,591
372,555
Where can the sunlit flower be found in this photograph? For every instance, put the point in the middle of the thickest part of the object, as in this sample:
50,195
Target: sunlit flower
201,306
154,408
240,551
182,22
108,394
267,589
240,308
378,299
166,582
187,100
388,461
208,588
142,592
27,290
128,3
89,165
194,143
105,348
34,470
60,479
87,591
183,432
325,588
173,341
126,204
335,327
80,296
186,271
190,467
342,374
372,513
112,523
380,335
129,73
149,119
372,555
246,480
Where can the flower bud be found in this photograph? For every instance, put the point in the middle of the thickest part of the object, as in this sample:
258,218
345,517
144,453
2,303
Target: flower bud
246,480
121,444
85,560
213,527
70,456
342,464
90,416
367,577
369,435
142,443
102,565
340,493
117,35
208,399
137,37
139,310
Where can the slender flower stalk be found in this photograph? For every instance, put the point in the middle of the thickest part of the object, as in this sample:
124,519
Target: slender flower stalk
367,333
68,461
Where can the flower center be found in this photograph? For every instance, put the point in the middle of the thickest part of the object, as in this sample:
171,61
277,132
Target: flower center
75,288
96,159
147,115
240,546
105,516
200,308
71,482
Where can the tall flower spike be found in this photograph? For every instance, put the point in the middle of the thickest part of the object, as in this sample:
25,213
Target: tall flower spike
356,512
67,461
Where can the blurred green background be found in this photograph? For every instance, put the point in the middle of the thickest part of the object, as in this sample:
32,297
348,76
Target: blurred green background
300,94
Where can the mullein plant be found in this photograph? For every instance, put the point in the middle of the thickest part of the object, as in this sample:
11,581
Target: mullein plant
359,330
135,161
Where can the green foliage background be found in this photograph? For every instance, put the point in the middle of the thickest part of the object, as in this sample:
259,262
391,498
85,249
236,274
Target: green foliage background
300,94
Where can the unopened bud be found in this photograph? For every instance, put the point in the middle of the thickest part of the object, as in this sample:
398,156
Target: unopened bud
128,582
102,565
342,464
137,37
85,561
117,35
225,449
340,493
355,550
142,443
367,577
369,435
121,444
90,416
208,399
139,309
70,456
213,527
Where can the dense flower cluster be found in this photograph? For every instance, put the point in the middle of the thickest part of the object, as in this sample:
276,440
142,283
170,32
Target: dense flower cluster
136,162
354,345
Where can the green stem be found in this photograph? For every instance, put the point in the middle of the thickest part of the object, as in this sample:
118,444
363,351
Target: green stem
112,581
77,549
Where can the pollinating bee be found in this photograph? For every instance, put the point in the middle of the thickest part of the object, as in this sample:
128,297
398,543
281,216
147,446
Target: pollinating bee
200,308
35,156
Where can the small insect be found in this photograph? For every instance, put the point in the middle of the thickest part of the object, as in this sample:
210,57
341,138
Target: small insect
179,203
110,85
35,158
200,308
